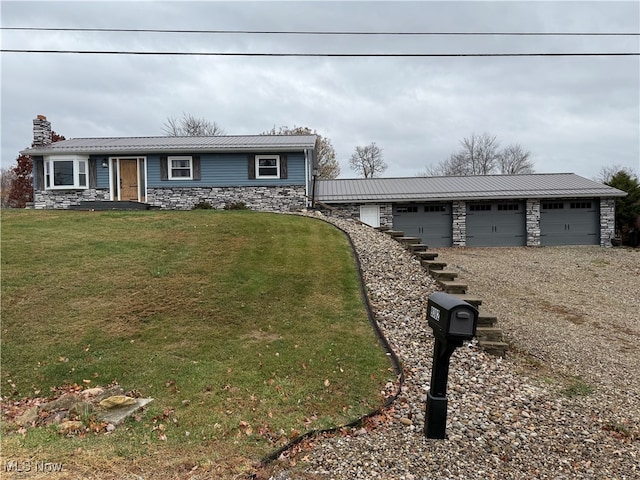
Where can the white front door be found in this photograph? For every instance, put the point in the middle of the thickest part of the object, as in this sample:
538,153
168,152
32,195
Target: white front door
370,214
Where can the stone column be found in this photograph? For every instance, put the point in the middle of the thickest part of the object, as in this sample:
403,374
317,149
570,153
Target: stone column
533,222
459,214
607,221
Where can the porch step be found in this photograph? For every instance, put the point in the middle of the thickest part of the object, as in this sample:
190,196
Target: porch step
444,275
494,348
395,233
108,205
433,265
489,334
451,286
417,247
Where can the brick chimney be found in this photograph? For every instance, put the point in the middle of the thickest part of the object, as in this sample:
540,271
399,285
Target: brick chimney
41,131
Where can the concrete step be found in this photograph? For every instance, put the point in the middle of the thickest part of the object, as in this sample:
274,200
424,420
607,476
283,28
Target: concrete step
472,299
433,265
486,320
494,348
426,255
451,286
444,275
409,240
489,334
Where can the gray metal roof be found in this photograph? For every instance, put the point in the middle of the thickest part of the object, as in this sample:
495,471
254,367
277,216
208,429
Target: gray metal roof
144,145
494,187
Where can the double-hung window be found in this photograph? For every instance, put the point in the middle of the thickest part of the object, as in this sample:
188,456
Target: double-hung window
65,173
267,166
180,168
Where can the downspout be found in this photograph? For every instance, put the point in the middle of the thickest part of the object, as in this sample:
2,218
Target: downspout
314,174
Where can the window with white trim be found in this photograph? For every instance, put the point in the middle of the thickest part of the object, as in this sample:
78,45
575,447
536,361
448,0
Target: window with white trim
66,173
180,168
267,166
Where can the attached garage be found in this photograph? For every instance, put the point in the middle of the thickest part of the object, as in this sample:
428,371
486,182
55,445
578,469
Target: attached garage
570,222
431,222
496,224
481,210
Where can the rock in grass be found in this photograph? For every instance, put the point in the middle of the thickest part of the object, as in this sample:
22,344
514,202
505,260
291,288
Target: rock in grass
116,401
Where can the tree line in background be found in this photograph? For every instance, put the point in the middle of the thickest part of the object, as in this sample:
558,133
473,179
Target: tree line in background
482,155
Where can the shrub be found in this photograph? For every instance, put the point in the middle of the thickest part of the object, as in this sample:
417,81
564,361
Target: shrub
236,206
202,206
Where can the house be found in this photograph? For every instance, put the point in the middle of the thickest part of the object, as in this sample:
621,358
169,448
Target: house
265,172
486,210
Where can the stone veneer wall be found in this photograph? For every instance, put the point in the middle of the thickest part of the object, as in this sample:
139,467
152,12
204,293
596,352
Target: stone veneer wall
259,198
533,222
61,199
459,213
353,210
607,221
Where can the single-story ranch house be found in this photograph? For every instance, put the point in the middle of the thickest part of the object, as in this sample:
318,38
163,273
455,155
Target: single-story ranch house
265,172
276,173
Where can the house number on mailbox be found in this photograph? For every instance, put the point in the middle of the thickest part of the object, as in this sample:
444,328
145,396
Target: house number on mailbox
435,313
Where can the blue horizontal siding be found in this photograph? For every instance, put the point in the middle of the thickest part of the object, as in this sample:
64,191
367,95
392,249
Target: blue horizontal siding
226,170
102,174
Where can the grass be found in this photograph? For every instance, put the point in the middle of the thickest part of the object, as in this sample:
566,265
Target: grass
246,328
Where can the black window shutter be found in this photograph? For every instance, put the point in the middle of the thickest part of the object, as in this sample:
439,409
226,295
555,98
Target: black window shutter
93,173
38,163
164,169
251,160
195,160
284,171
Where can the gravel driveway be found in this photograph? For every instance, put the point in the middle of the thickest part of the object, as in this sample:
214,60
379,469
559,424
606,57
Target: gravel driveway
577,309
563,404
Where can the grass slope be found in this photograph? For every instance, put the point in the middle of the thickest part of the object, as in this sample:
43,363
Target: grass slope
246,328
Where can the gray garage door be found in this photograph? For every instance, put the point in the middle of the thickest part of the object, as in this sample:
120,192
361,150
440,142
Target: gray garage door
431,222
570,222
496,224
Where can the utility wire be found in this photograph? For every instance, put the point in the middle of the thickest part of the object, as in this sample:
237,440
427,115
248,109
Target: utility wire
284,54
321,32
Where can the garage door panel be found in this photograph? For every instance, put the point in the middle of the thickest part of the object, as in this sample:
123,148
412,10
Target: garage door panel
496,224
570,222
429,222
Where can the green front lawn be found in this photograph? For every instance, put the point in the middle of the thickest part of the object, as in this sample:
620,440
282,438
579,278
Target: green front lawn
246,328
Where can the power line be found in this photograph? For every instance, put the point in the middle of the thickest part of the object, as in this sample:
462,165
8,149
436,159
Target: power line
337,55
317,32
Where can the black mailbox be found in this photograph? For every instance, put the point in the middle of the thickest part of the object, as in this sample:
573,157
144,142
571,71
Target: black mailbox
450,317
453,321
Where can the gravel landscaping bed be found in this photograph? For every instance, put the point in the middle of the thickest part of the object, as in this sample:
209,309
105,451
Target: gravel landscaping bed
564,402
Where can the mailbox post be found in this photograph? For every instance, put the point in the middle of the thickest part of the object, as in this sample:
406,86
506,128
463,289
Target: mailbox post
453,321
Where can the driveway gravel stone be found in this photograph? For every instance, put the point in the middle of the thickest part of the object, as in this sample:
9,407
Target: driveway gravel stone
563,404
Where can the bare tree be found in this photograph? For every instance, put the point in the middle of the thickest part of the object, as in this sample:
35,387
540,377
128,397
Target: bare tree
514,160
368,161
607,172
190,126
328,166
481,155
7,177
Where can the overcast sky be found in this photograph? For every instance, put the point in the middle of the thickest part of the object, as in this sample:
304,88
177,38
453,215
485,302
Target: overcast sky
574,114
